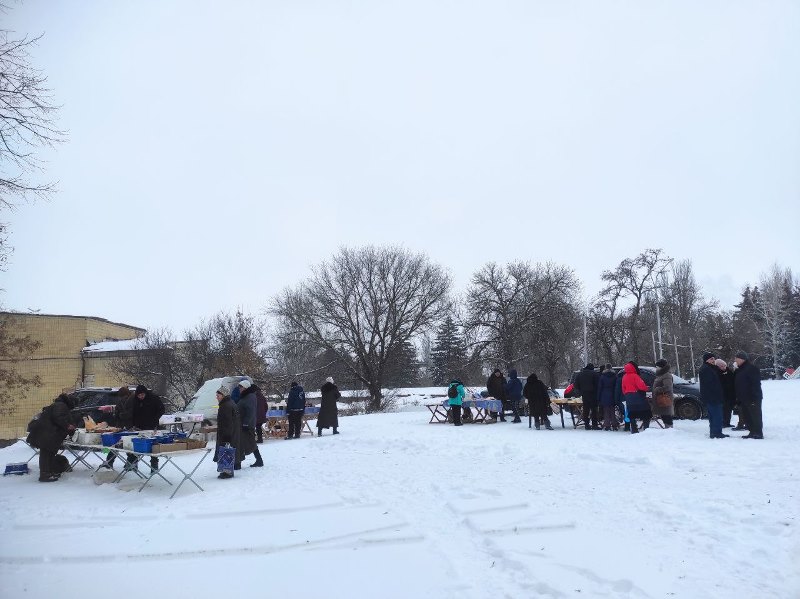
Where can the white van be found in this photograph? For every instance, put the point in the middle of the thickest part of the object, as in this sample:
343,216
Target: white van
204,401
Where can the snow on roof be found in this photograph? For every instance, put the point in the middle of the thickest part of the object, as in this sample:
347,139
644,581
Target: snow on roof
109,346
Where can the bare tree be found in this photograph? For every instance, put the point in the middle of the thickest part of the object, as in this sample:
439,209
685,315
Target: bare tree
636,278
27,122
14,347
27,117
226,344
771,313
363,305
507,308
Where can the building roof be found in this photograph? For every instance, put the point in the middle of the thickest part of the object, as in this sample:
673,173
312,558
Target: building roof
109,346
33,314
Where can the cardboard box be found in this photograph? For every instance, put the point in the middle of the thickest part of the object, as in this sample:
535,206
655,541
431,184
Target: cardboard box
195,444
165,447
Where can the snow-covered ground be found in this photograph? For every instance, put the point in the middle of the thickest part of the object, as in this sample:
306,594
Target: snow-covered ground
397,507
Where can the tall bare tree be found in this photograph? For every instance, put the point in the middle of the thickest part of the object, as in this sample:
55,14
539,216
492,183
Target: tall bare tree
507,307
27,122
636,278
771,314
363,305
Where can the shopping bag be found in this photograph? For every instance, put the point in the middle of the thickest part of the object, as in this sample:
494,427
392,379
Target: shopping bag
226,458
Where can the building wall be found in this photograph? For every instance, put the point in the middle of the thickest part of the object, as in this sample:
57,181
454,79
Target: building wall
58,360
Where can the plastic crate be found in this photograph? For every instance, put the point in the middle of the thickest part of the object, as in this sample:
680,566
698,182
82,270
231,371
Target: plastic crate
16,468
110,439
162,439
143,445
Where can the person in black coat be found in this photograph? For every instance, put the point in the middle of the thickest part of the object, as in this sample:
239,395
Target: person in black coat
261,413
328,410
48,432
586,384
712,395
535,392
606,390
296,407
728,392
147,410
248,404
496,386
228,428
747,383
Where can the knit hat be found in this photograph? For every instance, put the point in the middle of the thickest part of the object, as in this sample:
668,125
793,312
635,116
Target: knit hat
140,389
742,355
244,383
662,363
721,364
707,355
330,380
223,390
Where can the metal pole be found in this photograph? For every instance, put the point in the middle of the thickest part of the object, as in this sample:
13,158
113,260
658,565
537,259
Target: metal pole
691,353
653,335
677,359
585,342
658,322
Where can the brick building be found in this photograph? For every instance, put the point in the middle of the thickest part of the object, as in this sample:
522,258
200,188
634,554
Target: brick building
74,352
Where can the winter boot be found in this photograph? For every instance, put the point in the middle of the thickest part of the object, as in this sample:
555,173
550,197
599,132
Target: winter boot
335,430
536,426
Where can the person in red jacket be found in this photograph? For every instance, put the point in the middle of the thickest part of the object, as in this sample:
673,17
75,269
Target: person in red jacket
633,394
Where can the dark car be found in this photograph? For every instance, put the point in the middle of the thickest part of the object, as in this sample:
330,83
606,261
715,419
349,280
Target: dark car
88,402
688,406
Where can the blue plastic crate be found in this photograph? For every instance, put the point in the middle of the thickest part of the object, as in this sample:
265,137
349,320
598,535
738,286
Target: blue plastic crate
143,445
17,468
110,439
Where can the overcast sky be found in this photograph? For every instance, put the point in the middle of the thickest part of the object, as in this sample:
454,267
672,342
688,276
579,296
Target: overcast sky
218,149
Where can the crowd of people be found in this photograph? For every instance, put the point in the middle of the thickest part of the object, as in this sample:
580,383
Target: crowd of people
242,411
608,391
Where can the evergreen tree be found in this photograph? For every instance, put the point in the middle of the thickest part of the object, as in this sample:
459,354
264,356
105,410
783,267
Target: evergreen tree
402,367
448,356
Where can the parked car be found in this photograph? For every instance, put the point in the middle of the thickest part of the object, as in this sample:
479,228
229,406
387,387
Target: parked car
688,406
88,402
204,401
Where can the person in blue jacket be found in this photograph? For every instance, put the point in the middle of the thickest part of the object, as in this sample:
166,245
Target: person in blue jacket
514,393
456,401
296,407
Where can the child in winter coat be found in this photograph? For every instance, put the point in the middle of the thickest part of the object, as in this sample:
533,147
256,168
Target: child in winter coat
456,387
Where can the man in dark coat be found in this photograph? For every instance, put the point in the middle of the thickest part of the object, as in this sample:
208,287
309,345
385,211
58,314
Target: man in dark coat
247,405
228,428
296,407
747,383
328,410
147,410
261,413
535,392
496,386
586,385
48,432
728,392
712,395
606,391
514,393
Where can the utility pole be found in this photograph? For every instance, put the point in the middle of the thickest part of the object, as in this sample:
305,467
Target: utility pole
658,323
653,335
691,353
677,359
585,342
